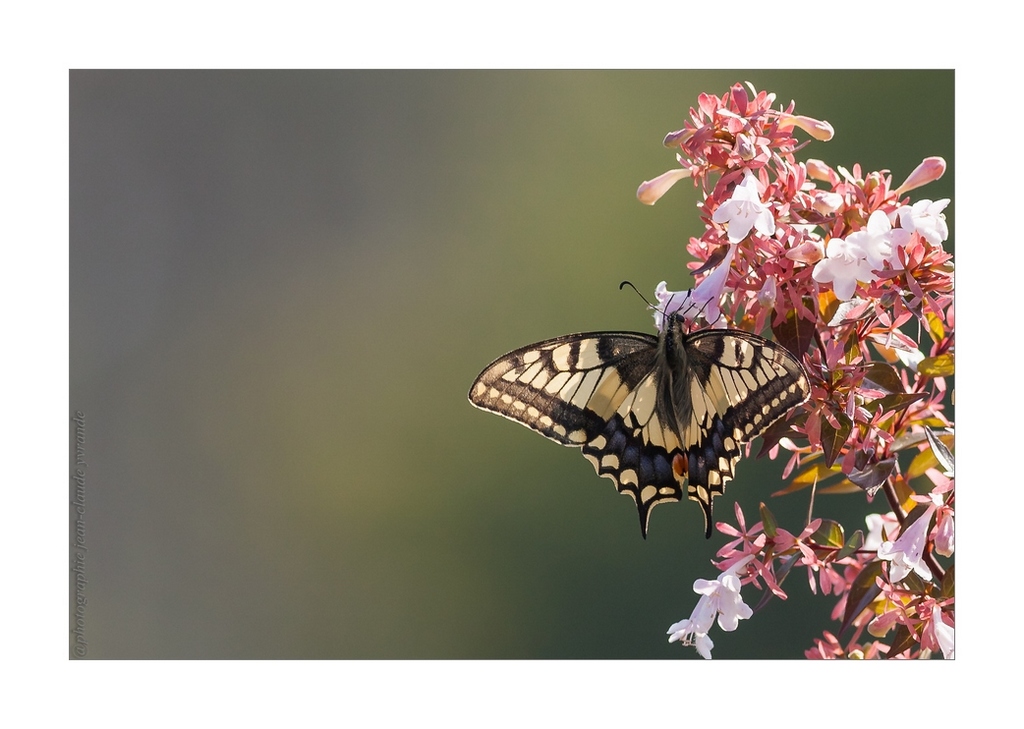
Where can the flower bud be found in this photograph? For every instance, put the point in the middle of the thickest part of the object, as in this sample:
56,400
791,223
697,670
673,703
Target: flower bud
827,203
766,296
820,130
674,139
818,170
651,190
930,169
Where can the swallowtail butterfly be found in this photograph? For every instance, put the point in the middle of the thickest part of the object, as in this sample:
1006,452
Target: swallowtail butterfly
652,413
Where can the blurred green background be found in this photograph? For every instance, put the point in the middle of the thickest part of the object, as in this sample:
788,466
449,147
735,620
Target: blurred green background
282,286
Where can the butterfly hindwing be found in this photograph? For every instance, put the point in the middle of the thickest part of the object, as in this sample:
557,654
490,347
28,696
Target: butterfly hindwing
653,414
739,385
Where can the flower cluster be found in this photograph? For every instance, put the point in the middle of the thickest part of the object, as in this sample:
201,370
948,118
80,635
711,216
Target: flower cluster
842,267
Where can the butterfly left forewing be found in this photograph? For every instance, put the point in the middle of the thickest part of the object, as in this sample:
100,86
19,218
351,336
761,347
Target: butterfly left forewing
596,391
565,388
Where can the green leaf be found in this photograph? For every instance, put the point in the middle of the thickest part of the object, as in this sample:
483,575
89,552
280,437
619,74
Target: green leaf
942,454
941,366
863,592
935,326
829,534
855,542
768,522
904,494
920,463
894,403
948,584
884,377
816,472
846,486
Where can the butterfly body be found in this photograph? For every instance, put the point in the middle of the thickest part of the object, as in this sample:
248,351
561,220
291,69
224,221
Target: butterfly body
652,413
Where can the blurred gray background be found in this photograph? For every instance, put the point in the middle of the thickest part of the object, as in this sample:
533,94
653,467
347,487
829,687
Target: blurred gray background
282,286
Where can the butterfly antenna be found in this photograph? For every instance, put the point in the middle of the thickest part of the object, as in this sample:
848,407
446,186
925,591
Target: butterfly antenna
630,284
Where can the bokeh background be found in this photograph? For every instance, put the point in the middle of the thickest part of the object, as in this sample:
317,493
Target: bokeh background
282,286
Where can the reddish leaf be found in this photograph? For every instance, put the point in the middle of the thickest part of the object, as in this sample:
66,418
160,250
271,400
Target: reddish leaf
884,377
794,333
832,440
902,639
871,478
780,429
863,592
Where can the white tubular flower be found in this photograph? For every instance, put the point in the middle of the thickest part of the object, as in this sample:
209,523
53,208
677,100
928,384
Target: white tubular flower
744,210
907,552
719,598
701,300
845,264
926,219
880,241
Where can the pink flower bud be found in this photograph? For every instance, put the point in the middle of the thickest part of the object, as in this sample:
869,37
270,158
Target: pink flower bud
809,251
766,296
744,148
827,203
674,139
930,169
820,130
651,190
818,170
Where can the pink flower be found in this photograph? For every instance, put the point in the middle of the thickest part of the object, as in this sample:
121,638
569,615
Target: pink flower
827,648
944,528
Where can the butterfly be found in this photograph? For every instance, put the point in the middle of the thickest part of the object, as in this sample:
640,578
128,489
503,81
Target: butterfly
652,413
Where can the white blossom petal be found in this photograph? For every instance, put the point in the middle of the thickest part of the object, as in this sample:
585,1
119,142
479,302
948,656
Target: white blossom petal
943,633
907,552
745,211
